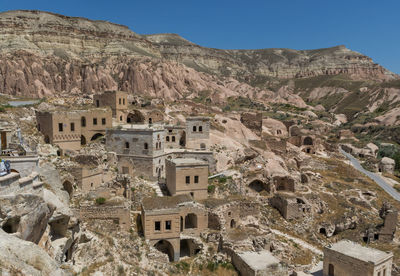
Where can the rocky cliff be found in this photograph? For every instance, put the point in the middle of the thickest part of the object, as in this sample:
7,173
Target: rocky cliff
44,54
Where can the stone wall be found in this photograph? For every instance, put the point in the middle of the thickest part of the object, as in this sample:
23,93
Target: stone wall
120,213
24,165
344,265
198,133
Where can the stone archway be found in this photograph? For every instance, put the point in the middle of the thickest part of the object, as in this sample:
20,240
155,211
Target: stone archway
135,117
165,247
257,185
96,136
308,141
67,186
188,248
233,223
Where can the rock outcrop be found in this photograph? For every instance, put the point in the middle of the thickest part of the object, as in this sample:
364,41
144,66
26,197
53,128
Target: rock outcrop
42,54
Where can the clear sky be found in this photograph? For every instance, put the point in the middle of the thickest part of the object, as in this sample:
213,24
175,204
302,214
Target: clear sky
371,27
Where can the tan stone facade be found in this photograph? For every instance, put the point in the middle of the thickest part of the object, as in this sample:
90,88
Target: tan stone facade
290,206
116,100
71,129
88,178
347,258
164,219
198,133
187,176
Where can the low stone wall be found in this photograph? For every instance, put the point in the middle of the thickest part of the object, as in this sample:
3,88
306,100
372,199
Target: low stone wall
120,212
13,183
25,165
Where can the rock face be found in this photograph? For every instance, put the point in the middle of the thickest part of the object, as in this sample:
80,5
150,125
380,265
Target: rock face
26,215
43,54
20,257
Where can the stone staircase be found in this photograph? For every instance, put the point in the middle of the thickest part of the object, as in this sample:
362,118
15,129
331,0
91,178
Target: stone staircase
157,188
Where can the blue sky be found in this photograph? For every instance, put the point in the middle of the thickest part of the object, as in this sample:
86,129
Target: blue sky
369,27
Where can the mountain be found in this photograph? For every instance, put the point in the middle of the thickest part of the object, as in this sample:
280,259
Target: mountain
43,54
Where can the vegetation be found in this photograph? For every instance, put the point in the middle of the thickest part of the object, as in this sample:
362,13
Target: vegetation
100,200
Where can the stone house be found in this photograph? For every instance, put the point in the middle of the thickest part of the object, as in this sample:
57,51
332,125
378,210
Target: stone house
175,137
289,205
198,133
71,129
187,176
116,100
250,263
169,222
142,148
144,116
88,178
139,148
346,258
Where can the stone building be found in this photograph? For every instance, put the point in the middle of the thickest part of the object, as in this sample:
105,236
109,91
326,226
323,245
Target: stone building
387,165
169,222
144,116
187,176
346,258
71,129
88,178
198,133
116,100
175,137
290,206
252,263
390,217
139,148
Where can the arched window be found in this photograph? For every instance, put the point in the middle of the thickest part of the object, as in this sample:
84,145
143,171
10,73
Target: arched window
83,121
200,128
194,128
120,118
127,145
167,138
173,138
146,146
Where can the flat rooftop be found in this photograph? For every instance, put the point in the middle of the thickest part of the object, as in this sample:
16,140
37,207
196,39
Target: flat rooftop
141,127
191,118
258,260
165,202
188,162
360,252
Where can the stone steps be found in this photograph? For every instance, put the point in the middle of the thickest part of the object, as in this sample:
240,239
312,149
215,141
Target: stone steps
157,188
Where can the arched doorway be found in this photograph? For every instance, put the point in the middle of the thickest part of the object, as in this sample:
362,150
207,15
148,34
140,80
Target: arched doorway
67,186
47,139
83,140
182,140
202,146
233,223
96,136
308,141
190,221
135,117
165,247
257,185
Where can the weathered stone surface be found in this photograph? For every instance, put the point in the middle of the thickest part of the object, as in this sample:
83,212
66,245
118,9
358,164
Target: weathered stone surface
26,215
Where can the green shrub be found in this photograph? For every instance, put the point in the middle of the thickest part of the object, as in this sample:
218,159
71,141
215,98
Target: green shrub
100,200
211,189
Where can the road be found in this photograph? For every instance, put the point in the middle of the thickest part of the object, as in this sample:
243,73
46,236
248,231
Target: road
379,180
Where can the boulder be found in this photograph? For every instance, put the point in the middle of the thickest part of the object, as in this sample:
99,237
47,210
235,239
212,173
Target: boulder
25,215
18,257
387,165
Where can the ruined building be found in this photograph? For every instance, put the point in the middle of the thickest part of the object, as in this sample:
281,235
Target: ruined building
116,100
142,147
346,258
71,129
169,223
289,205
138,147
187,176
